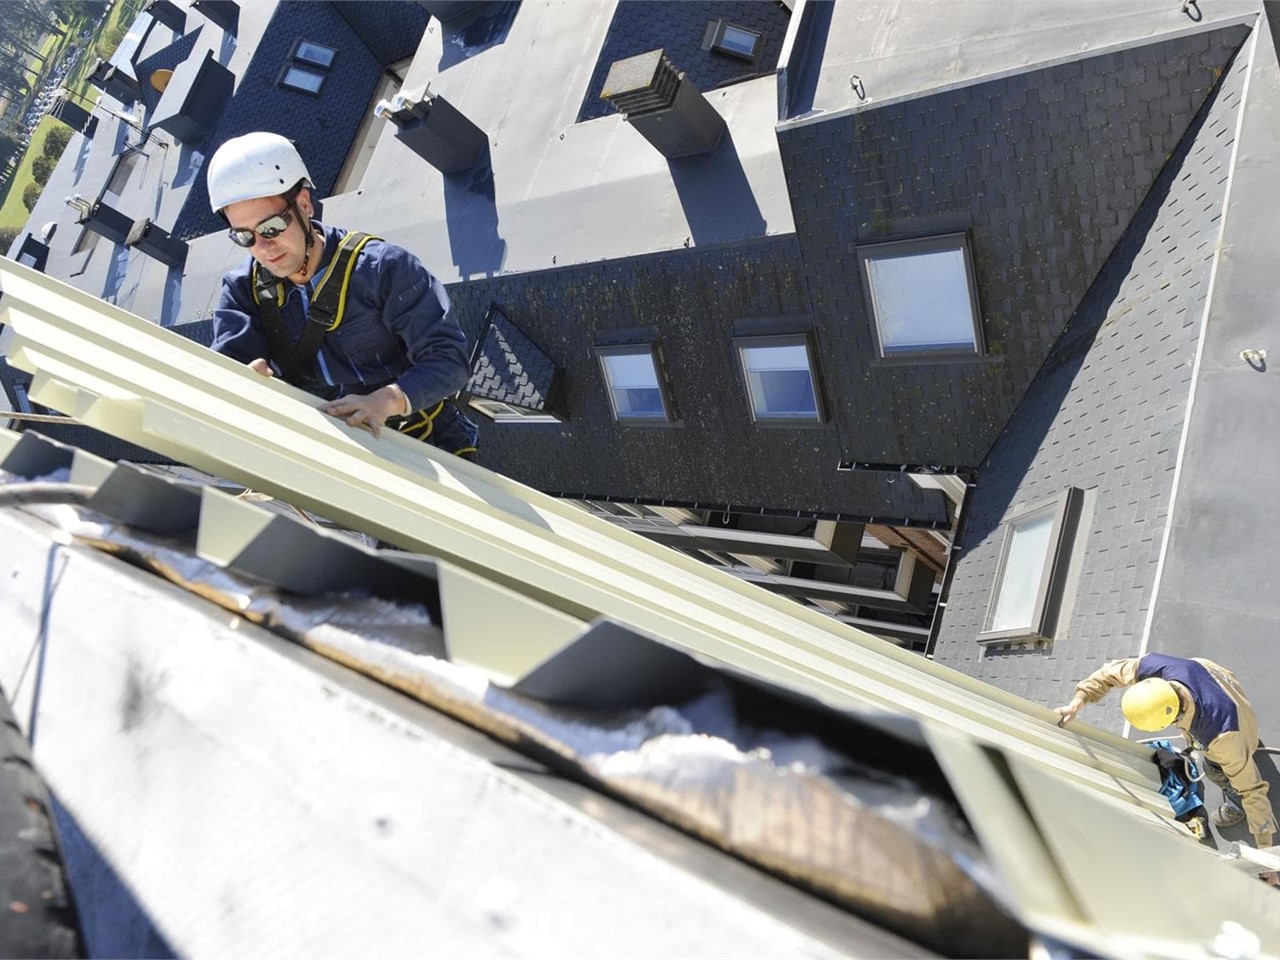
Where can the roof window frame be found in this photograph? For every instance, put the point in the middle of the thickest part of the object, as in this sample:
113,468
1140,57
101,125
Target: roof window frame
297,56
509,412
714,40
921,246
299,62
744,342
636,348
1065,509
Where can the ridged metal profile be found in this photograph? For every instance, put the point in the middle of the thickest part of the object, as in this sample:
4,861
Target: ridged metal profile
568,610
129,377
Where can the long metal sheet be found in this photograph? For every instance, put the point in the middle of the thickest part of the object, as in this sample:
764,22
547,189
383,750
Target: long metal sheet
128,377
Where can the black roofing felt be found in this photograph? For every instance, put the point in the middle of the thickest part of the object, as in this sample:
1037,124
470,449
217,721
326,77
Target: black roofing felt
390,29
323,127
1105,413
1043,170
678,27
713,454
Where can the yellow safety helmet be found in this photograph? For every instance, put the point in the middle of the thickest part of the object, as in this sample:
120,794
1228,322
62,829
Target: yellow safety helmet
1151,704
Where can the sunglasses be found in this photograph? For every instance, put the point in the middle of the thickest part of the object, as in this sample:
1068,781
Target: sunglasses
268,229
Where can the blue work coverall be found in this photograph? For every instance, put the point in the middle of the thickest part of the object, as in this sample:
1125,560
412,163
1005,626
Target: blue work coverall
396,328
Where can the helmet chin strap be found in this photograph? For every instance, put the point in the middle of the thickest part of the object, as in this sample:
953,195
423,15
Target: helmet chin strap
304,272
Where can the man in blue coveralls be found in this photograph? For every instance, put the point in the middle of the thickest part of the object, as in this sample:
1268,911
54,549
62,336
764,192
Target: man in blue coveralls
1206,703
345,316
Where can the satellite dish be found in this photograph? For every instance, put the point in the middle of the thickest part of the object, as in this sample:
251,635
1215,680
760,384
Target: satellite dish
46,232
160,79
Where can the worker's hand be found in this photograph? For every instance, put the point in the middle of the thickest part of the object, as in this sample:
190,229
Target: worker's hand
1068,713
261,366
1272,878
369,410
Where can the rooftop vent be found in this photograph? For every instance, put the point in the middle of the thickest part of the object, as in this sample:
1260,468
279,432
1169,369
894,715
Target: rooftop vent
74,116
663,105
434,129
104,220
114,82
33,253
156,243
193,99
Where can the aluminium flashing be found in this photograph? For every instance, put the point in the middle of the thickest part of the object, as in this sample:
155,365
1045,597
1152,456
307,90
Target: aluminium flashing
127,376
1081,872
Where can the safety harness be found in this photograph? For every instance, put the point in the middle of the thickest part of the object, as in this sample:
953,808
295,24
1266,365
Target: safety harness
297,361
324,313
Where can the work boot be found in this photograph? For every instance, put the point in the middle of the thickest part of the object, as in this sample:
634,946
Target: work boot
1228,815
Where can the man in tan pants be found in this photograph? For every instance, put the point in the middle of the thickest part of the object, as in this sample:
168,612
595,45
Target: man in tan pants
1205,702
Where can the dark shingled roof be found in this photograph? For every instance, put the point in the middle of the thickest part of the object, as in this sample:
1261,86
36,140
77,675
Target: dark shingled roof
1105,413
1043,170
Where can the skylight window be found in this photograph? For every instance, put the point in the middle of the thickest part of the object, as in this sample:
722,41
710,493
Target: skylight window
509,413
633,378
922,296
1035,555
314,53
779,376
306,81
307,67
732,40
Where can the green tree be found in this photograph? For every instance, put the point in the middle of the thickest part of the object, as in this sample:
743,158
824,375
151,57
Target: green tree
31,195
10,147
26,20
42,167
7,236
68,10
55,141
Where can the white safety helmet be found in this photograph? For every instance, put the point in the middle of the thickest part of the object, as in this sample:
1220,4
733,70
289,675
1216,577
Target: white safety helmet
256,165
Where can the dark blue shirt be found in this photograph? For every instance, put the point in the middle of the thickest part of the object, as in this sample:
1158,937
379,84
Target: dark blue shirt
1215,710
396,326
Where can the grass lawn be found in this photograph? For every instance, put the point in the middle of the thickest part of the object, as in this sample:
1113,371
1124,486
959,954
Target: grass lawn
13,213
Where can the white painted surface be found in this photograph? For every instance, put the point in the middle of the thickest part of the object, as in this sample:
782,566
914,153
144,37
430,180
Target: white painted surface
565,192
900,48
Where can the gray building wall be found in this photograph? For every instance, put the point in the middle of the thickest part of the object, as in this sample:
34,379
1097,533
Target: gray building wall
1044,170
1105,413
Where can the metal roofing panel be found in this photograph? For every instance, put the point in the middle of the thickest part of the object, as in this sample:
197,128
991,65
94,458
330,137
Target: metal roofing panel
127,376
